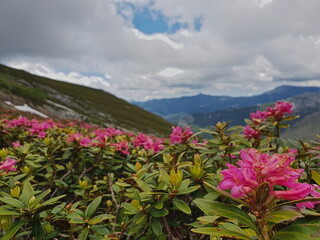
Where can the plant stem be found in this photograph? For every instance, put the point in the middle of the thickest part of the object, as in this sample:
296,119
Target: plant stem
265,234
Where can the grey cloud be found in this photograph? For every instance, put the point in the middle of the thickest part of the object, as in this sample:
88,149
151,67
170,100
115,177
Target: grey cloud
89,36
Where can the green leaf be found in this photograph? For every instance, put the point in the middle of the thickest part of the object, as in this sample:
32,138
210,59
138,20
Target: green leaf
283,125
27,193
53,200
184,184
290,118
143,185
14,228
156,226
226,194
84,234
188,190
220,232
307,199
39,198
7,212
12,202
130,209
158,212
225,210
315,176
159,204
304,229
99,218
92,207
208,219
37,231
282,215
165,176
181,205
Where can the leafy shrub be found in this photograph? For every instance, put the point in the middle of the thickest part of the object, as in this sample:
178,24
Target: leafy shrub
75,181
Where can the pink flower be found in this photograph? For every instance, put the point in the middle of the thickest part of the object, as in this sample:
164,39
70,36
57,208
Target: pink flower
74,136
256,168
300,191
279,109
85,141
315,192
16,144
148,142
259,116
293,151
42,134
122,147
180,136
251,133
239,180
8,164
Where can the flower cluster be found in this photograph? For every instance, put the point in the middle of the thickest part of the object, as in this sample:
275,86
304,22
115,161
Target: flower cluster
275,113
180,136
87,135
256,168
34,126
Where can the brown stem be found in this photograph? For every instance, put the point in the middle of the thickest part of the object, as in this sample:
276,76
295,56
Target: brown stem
113,197
85,170
167,228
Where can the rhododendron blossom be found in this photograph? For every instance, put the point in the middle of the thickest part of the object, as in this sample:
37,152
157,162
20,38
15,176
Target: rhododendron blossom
180,136
148,142
259,116
122,147
279,109
256,168
251,133
8,164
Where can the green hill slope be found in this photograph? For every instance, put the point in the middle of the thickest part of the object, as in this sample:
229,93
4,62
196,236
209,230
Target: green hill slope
63,100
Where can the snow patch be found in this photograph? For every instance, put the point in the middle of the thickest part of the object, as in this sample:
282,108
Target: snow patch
26,108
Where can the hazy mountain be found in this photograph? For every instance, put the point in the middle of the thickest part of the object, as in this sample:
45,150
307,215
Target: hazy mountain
174,108
306,105
62,100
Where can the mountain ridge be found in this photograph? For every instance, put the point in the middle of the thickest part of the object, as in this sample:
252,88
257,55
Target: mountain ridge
202,103
64,100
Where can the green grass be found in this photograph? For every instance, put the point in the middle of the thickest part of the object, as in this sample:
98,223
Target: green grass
94,101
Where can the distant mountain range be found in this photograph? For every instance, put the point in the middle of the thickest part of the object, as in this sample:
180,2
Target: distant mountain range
61,100
205,110
206,103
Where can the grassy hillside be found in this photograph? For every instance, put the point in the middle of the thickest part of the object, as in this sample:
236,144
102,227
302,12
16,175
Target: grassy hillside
65,100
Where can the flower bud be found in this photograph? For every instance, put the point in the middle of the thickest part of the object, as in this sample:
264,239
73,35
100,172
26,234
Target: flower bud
48,228
15,192
46,141
31,201
69,165
25,169
5,223
83,184
176,178
138,166
109,203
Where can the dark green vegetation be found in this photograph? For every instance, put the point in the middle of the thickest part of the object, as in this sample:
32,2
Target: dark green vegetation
69,101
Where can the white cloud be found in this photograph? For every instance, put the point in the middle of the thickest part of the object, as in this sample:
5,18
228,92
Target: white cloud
262,3
71,77
243,47
160,37
170,72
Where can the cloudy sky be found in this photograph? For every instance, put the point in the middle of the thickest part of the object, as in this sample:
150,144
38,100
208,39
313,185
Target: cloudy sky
145,49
